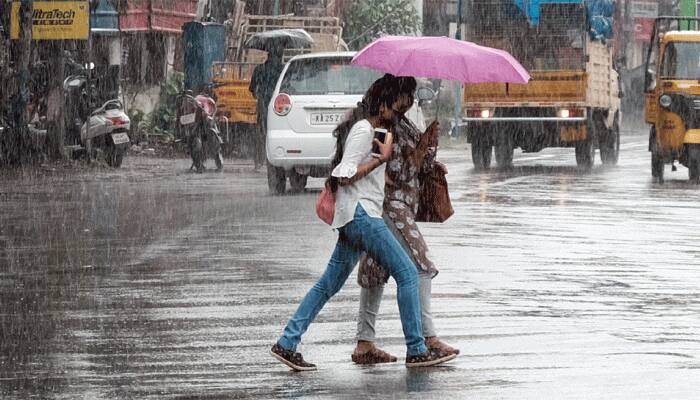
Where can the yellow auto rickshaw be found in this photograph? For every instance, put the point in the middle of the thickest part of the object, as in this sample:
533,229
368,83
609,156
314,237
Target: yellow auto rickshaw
672,95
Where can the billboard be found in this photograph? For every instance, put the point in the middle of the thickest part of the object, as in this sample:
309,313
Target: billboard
54,20
644,13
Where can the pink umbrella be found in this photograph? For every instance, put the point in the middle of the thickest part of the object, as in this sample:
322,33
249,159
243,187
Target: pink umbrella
441,58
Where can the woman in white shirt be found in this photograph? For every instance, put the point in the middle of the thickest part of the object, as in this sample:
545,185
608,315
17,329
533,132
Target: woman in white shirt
358,179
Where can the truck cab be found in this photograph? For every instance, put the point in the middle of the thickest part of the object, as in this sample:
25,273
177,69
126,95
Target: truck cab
672,95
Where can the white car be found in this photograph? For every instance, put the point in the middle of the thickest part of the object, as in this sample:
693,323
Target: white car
313,94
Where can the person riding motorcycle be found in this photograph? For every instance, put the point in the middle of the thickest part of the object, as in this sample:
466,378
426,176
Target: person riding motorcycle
197,124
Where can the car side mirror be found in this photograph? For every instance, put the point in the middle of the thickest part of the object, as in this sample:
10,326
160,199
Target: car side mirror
650,80
425,94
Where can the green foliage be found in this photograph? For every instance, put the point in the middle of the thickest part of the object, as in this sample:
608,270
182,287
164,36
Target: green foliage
161,121
368,20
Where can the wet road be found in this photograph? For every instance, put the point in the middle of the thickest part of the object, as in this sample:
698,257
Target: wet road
154,283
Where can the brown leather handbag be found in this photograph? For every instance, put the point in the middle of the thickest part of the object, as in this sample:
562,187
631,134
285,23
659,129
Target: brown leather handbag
434,204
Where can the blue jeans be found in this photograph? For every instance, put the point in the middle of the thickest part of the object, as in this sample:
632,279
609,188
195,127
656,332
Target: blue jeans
370,235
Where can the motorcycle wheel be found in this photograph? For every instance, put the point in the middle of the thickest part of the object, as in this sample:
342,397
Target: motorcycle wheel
219,160
197,153
90,151
114,157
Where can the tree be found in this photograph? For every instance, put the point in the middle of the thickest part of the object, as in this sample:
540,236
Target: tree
15,142
367,20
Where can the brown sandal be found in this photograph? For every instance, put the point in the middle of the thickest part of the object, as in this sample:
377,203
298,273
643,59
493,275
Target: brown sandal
373,356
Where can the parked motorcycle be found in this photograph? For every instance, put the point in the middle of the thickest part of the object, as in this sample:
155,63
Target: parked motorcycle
104,129
196,125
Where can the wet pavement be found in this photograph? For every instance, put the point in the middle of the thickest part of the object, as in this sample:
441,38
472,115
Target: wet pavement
151,282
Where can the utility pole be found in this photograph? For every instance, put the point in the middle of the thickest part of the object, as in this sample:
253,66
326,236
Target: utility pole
4,65
458,86
458,31
55,117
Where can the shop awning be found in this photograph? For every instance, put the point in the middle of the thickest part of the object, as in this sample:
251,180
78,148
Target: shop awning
157,15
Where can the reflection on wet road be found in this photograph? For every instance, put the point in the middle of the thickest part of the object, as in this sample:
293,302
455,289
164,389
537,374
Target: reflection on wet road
151,282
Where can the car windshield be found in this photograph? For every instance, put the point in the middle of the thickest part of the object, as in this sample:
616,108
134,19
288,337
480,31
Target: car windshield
681,61
309,76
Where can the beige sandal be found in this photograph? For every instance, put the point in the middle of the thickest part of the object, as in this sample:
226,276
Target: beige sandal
437,344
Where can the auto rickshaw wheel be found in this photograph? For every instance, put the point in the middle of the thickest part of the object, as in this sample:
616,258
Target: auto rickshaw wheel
481,152
657,161
609,143
693,151
657,167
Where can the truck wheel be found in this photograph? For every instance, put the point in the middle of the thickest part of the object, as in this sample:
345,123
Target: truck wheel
585,150
657,162
609,144
481,154
297,181
585,154
504,152
694,163
276,181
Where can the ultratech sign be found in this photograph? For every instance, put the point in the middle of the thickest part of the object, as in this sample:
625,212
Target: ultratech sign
55,20
53,17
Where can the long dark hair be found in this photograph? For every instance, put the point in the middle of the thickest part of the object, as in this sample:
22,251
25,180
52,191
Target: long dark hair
383,91
407,85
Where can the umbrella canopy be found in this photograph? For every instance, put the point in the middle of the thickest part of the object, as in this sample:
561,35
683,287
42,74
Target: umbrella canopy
441,58
280,39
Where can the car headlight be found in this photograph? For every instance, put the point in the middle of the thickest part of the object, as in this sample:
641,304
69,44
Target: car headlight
665,101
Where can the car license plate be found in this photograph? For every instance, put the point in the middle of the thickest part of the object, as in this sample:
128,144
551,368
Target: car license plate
327,118
187,119
119,138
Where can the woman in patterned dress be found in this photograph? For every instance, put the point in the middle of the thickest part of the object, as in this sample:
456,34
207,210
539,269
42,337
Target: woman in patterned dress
413,155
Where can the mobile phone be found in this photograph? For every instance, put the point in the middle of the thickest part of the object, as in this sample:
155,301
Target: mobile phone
379,133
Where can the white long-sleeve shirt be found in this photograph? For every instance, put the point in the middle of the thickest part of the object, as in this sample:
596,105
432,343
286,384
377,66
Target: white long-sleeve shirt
368,191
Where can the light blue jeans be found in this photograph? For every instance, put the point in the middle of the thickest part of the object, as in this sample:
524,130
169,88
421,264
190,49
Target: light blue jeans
371,235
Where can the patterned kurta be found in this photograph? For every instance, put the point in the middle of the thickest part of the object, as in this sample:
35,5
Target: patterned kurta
401,203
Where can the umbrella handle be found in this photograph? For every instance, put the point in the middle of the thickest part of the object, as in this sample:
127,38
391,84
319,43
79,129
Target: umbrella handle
437,100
